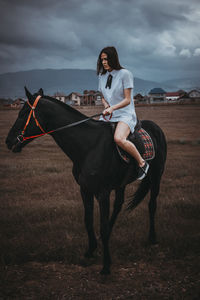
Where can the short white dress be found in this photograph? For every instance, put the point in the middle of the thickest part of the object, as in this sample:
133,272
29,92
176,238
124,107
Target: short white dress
121,79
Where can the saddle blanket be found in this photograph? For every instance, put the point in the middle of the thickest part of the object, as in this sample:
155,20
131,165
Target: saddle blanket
144,144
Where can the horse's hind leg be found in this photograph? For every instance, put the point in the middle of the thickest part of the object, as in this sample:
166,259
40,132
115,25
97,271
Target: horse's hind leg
155,187
119,200
88,201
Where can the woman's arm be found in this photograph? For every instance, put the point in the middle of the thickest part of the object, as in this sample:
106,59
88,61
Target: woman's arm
126,101
105,103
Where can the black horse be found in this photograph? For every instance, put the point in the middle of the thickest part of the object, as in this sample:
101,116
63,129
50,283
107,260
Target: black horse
97,167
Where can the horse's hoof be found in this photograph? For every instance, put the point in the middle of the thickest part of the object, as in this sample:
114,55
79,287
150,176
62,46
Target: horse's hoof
152,239
86,262
105,271
153,242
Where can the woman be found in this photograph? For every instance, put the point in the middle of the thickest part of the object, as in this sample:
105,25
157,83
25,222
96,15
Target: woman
116,86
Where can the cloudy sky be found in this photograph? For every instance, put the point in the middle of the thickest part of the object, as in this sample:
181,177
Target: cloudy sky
155,39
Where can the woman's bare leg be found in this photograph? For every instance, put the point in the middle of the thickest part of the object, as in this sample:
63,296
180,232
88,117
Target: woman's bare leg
121,133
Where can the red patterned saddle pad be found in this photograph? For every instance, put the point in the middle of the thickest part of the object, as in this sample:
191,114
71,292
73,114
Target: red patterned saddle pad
149,152
148,145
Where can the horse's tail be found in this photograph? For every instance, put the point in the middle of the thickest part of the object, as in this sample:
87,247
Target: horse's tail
139,194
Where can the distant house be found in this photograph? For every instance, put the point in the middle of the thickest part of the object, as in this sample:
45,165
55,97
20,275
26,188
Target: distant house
75,98
5,102
194,94
138,98
191,97
98,98
157,95
91,97
15,104
173,96
61,97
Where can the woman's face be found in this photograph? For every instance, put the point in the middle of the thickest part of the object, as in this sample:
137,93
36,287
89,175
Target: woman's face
104,60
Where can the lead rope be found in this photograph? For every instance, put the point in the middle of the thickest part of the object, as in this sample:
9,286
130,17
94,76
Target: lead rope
21,138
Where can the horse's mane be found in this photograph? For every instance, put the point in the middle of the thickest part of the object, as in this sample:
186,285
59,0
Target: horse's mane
74,111
65,106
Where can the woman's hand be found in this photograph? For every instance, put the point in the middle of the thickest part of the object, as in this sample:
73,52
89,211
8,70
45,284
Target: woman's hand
108,111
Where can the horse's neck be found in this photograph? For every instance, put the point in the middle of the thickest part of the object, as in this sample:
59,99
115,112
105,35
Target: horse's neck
74,141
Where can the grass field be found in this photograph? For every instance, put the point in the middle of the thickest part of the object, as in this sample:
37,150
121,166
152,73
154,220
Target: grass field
42,230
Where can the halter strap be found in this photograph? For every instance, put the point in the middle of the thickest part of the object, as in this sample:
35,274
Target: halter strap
30,114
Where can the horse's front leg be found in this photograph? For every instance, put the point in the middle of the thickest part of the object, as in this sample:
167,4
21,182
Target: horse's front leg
119,200
88,201
104,205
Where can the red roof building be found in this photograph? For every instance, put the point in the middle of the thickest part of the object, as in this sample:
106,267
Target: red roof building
173,96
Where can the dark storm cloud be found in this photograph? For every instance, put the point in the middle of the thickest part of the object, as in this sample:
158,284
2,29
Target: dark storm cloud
151,36
163,14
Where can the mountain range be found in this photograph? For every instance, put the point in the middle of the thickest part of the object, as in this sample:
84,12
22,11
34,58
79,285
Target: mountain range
75,80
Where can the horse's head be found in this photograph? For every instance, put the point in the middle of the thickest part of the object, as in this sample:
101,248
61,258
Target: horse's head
14,139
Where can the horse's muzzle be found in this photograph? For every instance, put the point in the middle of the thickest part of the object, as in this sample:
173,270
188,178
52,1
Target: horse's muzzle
14,147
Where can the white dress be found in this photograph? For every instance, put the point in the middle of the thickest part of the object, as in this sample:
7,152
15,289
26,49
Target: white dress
122,79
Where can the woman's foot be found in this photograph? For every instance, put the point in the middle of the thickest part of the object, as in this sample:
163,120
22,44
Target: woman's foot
143,171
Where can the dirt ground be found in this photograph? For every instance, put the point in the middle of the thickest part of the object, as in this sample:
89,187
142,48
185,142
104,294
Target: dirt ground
158,279
168,270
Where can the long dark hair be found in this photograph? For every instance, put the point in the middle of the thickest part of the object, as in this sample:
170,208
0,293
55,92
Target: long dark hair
113,60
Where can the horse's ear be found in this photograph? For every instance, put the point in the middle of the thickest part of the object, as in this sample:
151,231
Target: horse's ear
28,94
40,92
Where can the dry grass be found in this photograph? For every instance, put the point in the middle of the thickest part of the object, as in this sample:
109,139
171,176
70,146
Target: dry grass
41,219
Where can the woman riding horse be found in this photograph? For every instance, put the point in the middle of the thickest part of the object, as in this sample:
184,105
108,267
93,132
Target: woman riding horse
97,166
116,85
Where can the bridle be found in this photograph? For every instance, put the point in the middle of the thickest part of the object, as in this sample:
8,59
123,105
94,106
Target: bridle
21,138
